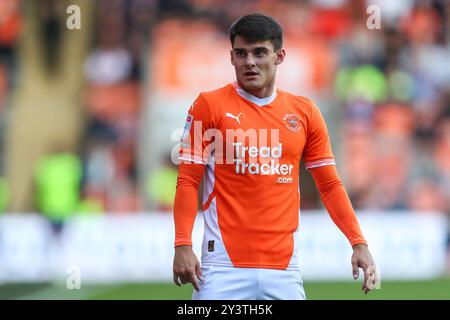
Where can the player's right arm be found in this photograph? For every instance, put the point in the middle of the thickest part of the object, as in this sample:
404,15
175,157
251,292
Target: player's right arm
186,266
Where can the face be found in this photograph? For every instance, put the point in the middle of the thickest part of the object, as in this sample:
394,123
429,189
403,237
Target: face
255,64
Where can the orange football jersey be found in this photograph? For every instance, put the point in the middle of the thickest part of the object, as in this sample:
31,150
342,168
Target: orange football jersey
252,149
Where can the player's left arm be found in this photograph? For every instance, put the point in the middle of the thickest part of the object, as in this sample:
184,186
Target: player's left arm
338,205
319,160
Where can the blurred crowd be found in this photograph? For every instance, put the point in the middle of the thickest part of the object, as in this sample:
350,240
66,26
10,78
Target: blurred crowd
385,93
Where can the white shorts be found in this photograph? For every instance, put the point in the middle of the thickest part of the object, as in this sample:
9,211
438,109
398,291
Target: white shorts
231,283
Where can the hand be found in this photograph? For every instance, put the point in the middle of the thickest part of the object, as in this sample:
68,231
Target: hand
362,258
186,267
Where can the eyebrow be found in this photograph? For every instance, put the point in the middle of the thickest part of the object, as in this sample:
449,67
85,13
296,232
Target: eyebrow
257,48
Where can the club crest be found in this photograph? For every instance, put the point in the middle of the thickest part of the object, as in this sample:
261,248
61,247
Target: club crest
292,122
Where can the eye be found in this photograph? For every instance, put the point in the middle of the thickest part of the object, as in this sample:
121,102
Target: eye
239,53
259,53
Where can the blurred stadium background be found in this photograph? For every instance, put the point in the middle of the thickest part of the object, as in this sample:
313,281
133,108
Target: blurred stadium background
90,119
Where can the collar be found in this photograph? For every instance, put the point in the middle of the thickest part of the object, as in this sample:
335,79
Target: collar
258,101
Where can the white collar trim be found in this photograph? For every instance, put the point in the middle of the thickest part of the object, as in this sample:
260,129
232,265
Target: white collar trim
258,101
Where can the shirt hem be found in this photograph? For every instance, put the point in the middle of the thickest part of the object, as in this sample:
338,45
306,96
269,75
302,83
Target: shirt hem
251,265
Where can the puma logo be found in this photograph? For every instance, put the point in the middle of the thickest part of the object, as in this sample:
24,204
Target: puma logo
230,115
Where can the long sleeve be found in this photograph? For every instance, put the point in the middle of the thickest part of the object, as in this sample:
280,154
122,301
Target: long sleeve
186,201
191,169
337,202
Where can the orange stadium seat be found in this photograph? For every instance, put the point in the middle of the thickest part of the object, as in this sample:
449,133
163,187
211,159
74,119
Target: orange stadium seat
112,102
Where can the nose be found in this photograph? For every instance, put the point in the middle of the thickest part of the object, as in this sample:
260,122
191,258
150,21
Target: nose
250,61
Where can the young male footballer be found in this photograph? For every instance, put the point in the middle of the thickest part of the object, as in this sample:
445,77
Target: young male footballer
246,140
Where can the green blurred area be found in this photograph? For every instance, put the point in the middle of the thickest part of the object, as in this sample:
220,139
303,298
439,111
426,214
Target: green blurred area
58,178
438,289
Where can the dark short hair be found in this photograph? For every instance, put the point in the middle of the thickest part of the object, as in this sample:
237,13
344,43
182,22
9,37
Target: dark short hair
257,27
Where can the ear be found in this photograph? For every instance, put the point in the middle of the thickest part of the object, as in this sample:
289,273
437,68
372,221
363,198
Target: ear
232,57
281,54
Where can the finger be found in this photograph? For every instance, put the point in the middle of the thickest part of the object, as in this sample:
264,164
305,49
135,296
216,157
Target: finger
198,272
175,279
366,288
366,279
372,275
355,270
377,279
193,281
366,274
370,283
183,280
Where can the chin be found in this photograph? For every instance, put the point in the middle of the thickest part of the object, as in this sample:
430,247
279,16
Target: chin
251,85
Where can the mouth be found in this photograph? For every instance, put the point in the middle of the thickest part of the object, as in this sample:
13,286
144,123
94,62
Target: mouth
251,74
